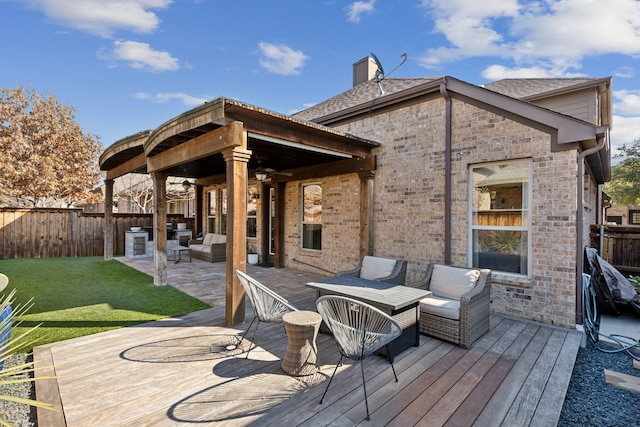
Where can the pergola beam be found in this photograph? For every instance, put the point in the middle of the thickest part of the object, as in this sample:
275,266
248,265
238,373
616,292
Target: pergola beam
206,145
135,164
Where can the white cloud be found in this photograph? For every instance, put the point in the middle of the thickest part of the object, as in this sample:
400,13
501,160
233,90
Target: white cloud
558,34
164,97
624,130
498,72
103,17
281,59
625,72
358,8
141,56
627,103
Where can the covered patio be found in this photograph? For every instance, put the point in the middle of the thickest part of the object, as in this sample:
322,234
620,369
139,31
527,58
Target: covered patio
178,371
226,141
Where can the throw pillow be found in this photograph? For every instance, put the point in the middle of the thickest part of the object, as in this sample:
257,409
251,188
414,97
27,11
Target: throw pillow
452,282
376,268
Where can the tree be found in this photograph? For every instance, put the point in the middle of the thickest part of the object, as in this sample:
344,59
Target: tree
136,190
624,187
44,155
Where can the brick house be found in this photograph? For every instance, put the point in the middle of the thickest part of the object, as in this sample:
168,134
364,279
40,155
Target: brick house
425,169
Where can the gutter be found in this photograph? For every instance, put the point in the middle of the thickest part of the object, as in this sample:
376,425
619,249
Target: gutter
447,173
601,138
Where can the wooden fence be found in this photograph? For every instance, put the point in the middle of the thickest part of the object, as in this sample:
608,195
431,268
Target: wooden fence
620,246
52,233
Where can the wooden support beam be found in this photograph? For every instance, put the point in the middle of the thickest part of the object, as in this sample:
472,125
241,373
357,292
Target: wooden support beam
199,209
339,167
366,212
210,143
108,219
159,228
278,226
137,164
237,176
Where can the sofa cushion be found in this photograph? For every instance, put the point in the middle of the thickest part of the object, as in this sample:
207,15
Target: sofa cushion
208,238
201,248
452,282
375,268
219,238
443,307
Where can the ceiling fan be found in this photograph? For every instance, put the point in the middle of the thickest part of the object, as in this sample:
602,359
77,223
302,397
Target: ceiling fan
263,173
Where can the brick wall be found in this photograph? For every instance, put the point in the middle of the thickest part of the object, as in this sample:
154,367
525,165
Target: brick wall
409,202
409,192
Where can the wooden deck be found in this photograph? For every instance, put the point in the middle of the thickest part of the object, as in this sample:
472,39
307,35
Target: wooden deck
178,372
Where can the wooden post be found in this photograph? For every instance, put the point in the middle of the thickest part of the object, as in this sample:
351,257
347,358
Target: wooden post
108,219
199,210
159,228
236,161
278,226
366,212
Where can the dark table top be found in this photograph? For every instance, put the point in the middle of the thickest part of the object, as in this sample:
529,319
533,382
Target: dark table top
393,297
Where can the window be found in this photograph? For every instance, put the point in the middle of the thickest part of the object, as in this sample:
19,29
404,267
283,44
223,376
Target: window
634,217
223,211
312,216
211,212
617,219
499,229
252,210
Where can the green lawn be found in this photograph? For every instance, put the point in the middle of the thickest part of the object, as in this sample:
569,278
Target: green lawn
74,297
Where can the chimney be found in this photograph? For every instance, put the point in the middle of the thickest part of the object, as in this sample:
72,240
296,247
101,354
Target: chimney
364,70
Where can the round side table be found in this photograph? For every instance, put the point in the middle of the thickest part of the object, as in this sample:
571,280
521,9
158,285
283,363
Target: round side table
301,356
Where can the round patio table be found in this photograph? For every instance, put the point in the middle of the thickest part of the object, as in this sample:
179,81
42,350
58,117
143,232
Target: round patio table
301,356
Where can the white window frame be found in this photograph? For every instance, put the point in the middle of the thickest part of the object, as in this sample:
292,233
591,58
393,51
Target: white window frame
302,219
212,195
252,197
523,228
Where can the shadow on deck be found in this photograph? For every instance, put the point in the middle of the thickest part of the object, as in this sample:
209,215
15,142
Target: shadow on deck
177,371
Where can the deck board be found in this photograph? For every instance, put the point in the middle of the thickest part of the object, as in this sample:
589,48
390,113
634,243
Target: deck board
177,372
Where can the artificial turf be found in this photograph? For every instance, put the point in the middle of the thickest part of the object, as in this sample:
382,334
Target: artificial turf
73,297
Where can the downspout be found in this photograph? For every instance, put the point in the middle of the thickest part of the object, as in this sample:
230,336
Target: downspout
601,142
447,173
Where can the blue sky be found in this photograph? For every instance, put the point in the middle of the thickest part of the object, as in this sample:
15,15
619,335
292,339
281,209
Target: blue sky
130,65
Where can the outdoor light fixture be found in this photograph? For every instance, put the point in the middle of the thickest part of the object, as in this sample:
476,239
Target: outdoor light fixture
261,175
186,185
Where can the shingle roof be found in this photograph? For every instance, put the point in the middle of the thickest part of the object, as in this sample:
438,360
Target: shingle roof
358,95
523,88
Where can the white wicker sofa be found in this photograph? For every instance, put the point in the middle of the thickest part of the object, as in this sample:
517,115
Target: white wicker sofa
458,309
212,248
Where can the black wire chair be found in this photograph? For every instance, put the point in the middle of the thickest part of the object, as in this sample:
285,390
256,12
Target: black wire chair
359,329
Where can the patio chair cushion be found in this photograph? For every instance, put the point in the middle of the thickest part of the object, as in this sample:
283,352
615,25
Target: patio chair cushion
201,248
451,282
374,267
208,239
443,307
